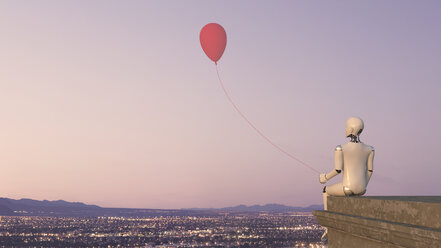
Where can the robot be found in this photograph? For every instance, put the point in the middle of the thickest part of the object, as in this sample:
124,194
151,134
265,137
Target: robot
356,160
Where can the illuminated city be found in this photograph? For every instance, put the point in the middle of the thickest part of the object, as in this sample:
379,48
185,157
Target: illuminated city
222,230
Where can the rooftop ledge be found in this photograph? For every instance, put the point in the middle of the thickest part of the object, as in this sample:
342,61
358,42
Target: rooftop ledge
382,221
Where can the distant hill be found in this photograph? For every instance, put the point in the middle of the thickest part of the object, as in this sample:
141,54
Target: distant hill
60,208
24,202
264,208
34,207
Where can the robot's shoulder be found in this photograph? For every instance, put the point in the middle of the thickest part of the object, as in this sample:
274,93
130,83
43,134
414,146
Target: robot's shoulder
370,147
338,148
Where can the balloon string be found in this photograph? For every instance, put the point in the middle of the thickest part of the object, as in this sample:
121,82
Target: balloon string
258,131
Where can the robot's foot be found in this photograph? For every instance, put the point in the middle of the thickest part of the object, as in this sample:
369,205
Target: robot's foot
325,235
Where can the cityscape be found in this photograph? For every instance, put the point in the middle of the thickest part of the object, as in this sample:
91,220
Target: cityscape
225,229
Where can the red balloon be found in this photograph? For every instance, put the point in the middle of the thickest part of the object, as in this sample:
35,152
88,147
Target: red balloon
213,40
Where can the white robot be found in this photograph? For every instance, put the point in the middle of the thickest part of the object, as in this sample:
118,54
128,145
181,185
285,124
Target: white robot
355,160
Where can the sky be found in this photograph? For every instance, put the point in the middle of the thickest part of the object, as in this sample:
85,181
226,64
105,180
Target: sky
114,103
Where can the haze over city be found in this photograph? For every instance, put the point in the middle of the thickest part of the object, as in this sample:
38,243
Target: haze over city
114,103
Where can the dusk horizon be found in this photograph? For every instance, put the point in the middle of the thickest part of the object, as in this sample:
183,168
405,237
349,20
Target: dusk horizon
184,208
116,104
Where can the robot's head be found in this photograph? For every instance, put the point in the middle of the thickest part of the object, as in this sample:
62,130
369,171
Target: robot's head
354,126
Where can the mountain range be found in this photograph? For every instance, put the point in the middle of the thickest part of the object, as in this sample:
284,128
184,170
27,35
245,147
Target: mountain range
264,208
29,207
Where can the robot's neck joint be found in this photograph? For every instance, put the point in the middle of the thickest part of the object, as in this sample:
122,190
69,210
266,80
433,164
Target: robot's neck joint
354,138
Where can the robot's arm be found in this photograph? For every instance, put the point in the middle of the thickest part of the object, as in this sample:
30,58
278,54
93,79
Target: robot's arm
370,165
338,166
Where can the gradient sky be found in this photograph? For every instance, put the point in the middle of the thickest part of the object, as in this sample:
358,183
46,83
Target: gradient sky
114,102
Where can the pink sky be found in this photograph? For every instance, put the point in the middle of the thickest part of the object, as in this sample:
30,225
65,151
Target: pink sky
114,103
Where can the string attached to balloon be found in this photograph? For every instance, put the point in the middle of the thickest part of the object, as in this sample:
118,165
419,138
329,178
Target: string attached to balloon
213,41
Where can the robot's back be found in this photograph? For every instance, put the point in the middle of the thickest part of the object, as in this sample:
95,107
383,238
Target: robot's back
355,157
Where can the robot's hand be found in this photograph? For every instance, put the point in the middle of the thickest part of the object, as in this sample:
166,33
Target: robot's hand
323,178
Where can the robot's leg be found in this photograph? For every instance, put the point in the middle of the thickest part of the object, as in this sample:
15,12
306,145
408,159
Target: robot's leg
335,189
325,199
